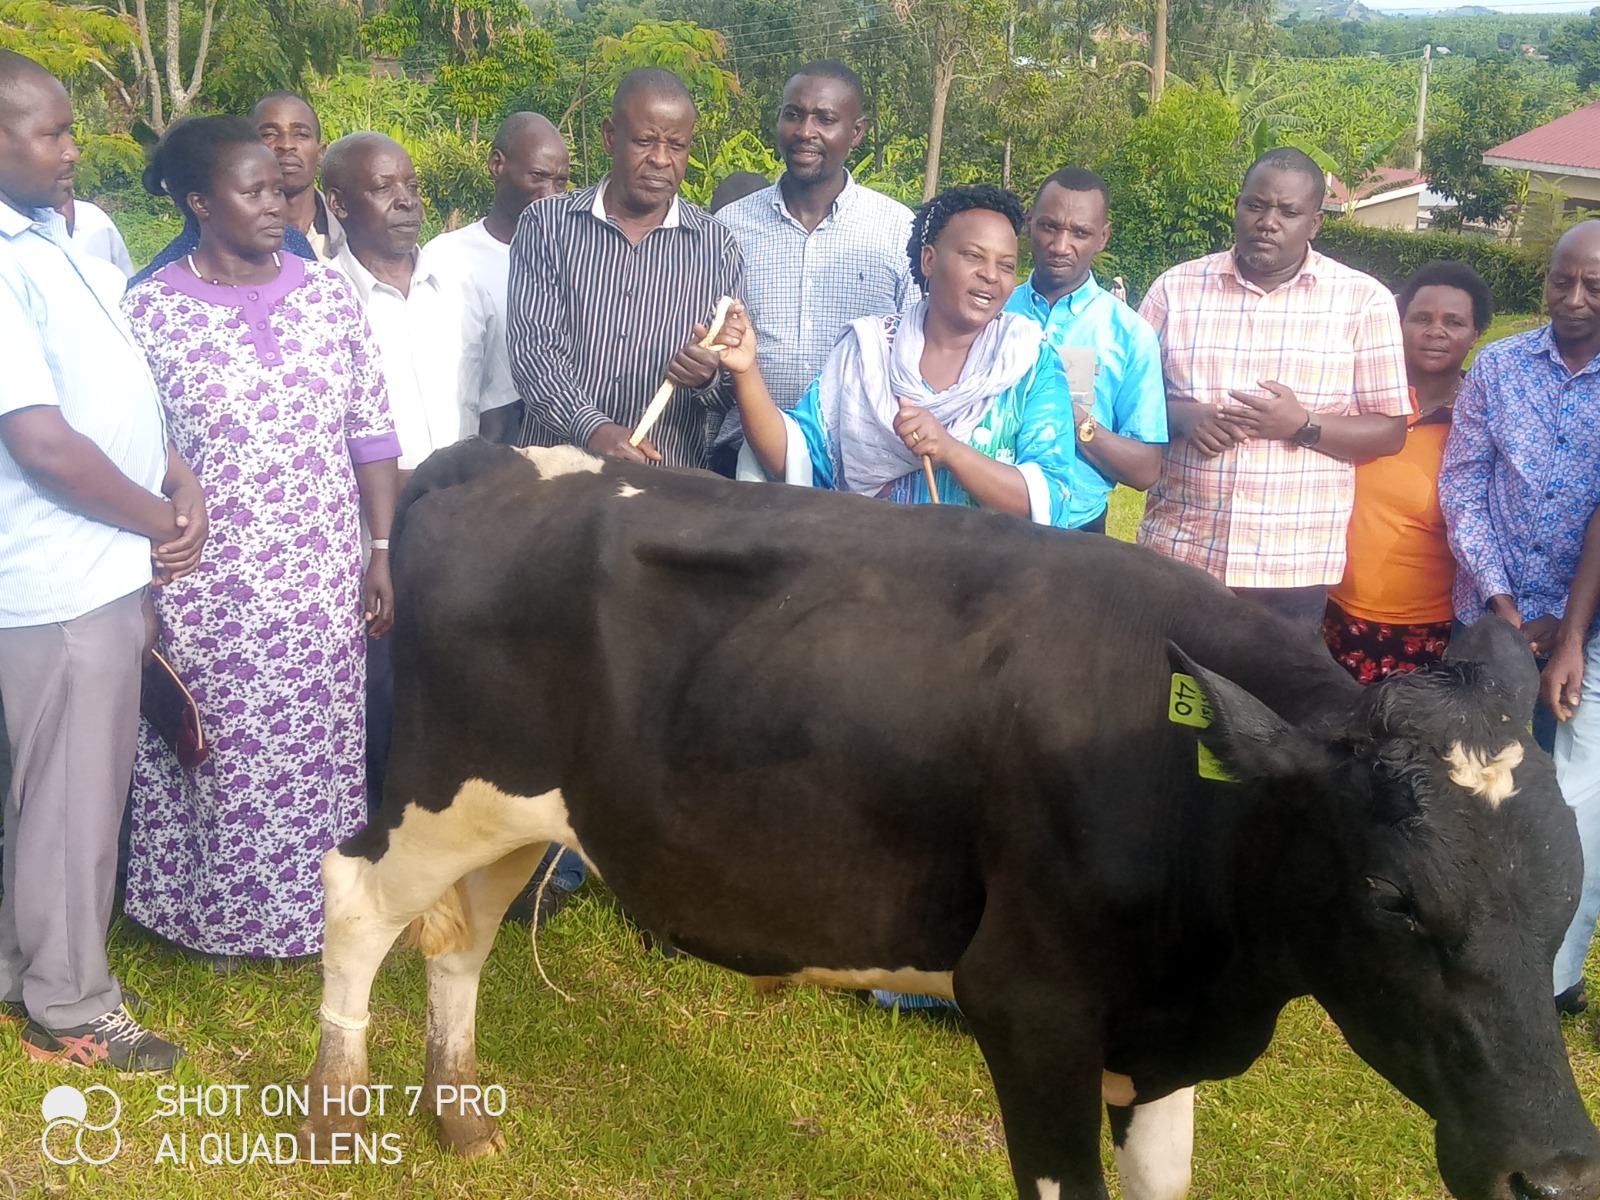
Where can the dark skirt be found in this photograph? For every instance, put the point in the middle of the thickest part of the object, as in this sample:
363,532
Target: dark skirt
1372,650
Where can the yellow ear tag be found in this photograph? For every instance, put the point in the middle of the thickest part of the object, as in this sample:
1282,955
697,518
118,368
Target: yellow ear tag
1187,705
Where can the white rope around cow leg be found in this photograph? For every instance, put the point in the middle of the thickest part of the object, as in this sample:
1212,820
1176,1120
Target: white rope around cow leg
533,928
338,1021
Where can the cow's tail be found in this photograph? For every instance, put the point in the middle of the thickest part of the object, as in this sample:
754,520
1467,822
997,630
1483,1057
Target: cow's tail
447,468
446,927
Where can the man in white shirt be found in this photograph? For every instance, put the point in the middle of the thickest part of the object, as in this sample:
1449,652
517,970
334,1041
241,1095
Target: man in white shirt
93,233
528,161
435,337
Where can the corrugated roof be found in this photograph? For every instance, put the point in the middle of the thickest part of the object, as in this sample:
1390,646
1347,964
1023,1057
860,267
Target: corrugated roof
1569,141
1383,179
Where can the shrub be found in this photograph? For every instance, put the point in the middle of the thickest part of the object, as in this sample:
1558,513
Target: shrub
454,174
1515,277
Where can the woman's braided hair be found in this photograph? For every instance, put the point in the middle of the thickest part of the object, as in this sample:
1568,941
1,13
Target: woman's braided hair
933,216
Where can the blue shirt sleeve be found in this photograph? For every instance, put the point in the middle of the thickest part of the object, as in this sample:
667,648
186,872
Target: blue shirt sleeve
1139,404
819,442
1045,439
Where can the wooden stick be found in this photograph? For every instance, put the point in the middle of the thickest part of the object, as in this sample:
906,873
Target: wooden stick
927,471
658,402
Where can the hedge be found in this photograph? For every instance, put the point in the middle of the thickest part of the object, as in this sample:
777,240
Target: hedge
1515,277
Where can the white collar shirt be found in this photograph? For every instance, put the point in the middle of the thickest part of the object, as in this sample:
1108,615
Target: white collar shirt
435,343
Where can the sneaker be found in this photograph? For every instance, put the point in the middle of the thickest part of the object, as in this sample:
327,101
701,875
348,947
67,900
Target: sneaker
555,898
1572,1001
115,1039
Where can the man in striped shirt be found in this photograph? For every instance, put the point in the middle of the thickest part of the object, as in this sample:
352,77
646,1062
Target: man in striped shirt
611,287
1283,368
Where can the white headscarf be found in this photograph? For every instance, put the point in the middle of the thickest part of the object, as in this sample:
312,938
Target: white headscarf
865,377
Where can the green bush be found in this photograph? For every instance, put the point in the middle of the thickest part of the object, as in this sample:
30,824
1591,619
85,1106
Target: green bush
454,174
1515,277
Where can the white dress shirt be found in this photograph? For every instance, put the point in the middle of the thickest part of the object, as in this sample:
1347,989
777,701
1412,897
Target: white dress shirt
438,355
481,263
93,233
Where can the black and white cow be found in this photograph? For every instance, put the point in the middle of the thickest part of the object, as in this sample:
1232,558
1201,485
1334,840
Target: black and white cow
838,741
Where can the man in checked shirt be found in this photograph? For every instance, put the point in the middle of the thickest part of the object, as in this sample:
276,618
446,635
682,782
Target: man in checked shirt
1283,368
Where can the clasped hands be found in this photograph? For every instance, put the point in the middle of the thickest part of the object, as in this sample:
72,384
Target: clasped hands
1213,428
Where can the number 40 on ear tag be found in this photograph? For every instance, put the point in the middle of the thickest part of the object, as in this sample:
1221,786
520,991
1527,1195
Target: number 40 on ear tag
1187,705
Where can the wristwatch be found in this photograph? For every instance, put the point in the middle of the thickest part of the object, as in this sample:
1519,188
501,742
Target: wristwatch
1309,434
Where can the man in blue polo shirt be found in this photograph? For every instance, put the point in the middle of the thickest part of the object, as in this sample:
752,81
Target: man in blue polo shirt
93,502
1120,439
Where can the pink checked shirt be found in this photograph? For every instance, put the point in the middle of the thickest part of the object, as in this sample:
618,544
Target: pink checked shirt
1268,513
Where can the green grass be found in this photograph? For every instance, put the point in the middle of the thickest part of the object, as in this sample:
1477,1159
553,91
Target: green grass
672,1080
145,233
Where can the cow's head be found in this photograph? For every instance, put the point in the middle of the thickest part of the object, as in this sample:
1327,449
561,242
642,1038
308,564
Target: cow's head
1427,873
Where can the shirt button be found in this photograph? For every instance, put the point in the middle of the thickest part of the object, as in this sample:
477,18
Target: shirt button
1549,495
261,324
1537,548
252,295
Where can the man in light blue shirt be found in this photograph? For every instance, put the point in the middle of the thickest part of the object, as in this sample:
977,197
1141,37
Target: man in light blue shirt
1120,439
819,249
85,472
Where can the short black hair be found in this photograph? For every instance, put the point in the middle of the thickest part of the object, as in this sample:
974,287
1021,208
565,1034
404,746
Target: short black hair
1077,179
190,153
521,122
650,81
16,71
1287,158
933,216
255,113
1447,273
832,68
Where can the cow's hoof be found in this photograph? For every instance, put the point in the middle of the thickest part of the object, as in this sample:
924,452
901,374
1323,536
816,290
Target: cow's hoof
472,1137
316,1136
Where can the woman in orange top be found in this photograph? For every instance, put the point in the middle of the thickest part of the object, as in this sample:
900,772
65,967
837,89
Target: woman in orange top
1391,613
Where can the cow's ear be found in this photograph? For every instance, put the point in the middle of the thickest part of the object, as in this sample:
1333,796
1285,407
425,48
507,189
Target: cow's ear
1252,741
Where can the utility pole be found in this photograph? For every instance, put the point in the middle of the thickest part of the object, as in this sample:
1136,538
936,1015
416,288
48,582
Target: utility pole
1011,45
1158,52
1422,103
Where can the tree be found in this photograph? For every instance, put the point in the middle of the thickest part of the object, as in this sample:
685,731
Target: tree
958,37
1492,104
71,43
1577,43
263,45
166,70
1173,182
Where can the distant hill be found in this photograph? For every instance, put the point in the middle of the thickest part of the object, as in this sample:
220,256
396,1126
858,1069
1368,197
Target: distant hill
1328,10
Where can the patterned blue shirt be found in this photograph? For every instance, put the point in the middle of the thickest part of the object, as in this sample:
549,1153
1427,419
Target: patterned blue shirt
1129,396
803,288
1521,475
67,347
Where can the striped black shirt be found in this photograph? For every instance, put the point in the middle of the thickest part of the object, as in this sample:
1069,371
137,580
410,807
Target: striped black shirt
594,320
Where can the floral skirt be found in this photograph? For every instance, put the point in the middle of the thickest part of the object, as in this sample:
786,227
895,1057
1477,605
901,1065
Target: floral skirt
1372,650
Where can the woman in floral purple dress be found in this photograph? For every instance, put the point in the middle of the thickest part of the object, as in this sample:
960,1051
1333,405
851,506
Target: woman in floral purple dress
274,393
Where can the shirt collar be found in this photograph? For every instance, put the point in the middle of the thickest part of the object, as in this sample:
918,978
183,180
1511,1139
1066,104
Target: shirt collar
1076,300
841,202
672,220
1308,273
13,222
1545,343
366,283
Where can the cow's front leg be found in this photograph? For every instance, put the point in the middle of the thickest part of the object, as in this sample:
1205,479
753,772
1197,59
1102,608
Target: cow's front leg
1154,1144
356,936
1040,1038
451,1079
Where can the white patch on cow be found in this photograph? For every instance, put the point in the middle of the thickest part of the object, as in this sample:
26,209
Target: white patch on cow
898,979
1153,1162
1049,1189
556,461
1483,776
625,490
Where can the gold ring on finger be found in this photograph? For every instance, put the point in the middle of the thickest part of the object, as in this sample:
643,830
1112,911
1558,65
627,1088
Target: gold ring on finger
915,438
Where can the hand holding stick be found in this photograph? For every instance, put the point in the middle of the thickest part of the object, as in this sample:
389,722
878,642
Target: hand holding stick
658,402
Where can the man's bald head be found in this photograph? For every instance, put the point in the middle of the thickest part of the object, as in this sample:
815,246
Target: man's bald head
529,161
347,159
1572,294
22,81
